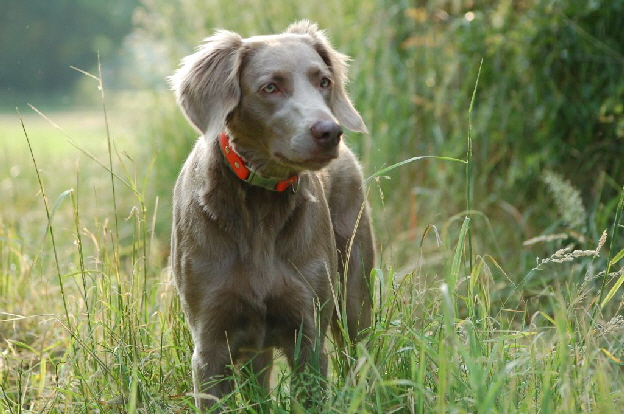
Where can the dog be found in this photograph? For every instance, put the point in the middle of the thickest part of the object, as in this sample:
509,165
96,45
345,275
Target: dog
271,236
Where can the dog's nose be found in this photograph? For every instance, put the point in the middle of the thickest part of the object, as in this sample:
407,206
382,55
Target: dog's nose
326,133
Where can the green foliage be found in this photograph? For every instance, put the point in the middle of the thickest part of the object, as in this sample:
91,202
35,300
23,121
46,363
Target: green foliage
556,68
553,70
548,99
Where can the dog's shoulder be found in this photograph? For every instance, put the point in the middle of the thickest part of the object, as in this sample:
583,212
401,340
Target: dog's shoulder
344,174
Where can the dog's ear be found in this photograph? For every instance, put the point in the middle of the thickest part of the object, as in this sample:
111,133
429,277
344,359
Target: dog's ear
206,85
340,103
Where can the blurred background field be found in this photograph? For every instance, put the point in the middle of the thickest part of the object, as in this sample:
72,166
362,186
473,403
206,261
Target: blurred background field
91,299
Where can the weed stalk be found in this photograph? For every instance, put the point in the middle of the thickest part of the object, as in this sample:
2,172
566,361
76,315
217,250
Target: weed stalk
50,226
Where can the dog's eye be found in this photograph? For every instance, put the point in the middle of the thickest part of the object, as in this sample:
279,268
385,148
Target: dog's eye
270,88
325,82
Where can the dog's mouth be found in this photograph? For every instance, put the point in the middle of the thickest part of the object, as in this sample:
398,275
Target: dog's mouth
312,163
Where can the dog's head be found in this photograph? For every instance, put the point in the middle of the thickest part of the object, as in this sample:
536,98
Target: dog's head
282,97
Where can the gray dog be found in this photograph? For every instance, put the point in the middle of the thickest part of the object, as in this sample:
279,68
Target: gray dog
269,207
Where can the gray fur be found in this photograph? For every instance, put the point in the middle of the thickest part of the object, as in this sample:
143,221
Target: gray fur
253,266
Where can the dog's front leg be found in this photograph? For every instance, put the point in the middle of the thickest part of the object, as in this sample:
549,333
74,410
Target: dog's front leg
210,373
226,329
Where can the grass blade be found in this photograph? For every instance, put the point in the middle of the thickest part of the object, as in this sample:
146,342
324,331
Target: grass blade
456,264
620,281
407,161
49,217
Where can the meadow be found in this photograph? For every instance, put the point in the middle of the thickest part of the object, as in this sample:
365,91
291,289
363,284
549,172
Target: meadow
498,287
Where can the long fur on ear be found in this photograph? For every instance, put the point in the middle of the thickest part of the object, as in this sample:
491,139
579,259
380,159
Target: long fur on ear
206,85
340,103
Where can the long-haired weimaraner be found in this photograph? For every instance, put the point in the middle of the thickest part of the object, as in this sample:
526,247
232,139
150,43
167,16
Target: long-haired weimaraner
271,230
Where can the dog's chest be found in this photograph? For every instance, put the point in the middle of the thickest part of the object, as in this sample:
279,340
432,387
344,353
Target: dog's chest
270,238
280,248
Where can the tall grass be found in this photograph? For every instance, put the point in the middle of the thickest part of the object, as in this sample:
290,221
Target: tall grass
90,321
437,344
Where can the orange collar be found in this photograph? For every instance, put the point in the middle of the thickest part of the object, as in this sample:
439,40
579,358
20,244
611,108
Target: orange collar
250,176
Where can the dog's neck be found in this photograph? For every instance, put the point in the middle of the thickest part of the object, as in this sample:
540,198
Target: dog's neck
244,172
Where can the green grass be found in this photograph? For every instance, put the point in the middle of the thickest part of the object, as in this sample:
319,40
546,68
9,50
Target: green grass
483,304
92,321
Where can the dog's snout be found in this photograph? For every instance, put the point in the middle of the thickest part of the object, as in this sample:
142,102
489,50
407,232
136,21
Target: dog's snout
326,133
